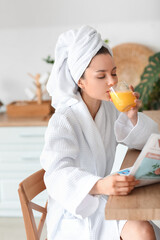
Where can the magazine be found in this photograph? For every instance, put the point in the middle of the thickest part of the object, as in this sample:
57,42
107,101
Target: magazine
147,166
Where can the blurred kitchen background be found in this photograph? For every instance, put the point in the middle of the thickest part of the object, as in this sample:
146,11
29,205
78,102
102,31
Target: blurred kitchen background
28,34
29,30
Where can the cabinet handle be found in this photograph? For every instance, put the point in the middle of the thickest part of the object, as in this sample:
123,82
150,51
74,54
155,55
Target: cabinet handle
30,158
30,135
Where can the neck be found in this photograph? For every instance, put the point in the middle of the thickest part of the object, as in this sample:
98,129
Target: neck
92,104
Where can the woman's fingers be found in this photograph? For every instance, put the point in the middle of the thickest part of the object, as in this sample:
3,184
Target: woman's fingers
119,178
138,103
157,171
123,190
127,184
117,184
136,94
131,87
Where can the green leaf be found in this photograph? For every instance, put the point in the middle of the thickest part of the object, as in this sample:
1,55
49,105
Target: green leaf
149,86
49,60
106,41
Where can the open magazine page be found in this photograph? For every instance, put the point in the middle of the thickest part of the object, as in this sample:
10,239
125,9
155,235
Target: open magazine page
147,164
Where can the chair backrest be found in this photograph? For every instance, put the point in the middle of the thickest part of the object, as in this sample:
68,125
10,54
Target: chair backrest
28,189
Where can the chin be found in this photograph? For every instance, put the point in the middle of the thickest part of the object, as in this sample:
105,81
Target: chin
107,97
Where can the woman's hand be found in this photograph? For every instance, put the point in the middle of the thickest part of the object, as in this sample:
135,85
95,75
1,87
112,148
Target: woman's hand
132,113
114,185
157,171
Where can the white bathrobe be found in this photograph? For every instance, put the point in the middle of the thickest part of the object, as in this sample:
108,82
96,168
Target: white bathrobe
78,152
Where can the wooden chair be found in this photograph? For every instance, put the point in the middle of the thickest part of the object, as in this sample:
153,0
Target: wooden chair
28,189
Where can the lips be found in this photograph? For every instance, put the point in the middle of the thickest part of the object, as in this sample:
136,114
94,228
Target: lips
108,93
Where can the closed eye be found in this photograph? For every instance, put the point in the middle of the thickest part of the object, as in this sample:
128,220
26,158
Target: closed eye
101,77
113,74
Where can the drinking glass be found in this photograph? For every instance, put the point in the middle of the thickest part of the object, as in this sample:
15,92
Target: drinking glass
122,97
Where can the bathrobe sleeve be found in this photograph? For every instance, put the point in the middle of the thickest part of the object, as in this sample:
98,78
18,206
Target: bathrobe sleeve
134,136
65,181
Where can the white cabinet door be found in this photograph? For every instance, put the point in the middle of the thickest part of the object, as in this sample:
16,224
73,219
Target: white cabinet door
20,149
22,134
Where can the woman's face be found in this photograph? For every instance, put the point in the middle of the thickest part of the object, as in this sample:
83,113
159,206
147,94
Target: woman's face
99,77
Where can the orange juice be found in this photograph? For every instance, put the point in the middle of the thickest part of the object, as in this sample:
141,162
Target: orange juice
123,101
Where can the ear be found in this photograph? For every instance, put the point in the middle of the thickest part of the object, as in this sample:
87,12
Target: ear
81,83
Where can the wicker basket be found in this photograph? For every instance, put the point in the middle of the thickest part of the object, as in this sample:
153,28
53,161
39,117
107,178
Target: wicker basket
131,59
29,109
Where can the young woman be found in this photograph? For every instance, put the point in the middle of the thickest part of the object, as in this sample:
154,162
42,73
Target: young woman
81,140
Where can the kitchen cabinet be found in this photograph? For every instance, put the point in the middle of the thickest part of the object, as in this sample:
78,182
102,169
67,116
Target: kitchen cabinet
21,143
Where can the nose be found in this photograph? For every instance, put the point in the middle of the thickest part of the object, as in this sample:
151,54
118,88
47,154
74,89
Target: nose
112,81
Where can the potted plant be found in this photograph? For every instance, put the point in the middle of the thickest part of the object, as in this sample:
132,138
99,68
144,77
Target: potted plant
149,86
49,60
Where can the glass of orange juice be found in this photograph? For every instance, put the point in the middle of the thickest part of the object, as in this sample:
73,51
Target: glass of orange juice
122,97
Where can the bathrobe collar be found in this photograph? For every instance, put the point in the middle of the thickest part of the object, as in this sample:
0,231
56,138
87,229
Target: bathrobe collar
92,134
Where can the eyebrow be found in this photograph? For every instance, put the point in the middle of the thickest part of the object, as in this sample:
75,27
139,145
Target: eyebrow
105,70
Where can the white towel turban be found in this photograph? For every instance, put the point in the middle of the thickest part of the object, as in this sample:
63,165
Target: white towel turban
73,53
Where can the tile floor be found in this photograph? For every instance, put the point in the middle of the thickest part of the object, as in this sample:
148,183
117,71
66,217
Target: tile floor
13,229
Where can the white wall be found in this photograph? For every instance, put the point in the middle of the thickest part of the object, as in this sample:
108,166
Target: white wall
29,30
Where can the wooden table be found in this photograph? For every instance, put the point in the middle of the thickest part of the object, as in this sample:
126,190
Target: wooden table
154,114
143,203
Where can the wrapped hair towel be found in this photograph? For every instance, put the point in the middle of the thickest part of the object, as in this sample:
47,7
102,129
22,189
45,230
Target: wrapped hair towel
73,53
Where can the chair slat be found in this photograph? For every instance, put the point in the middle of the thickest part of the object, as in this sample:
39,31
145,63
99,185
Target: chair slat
42,221
37,207
28,189
31,189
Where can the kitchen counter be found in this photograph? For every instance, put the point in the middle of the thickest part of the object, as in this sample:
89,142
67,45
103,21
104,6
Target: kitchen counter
6,121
